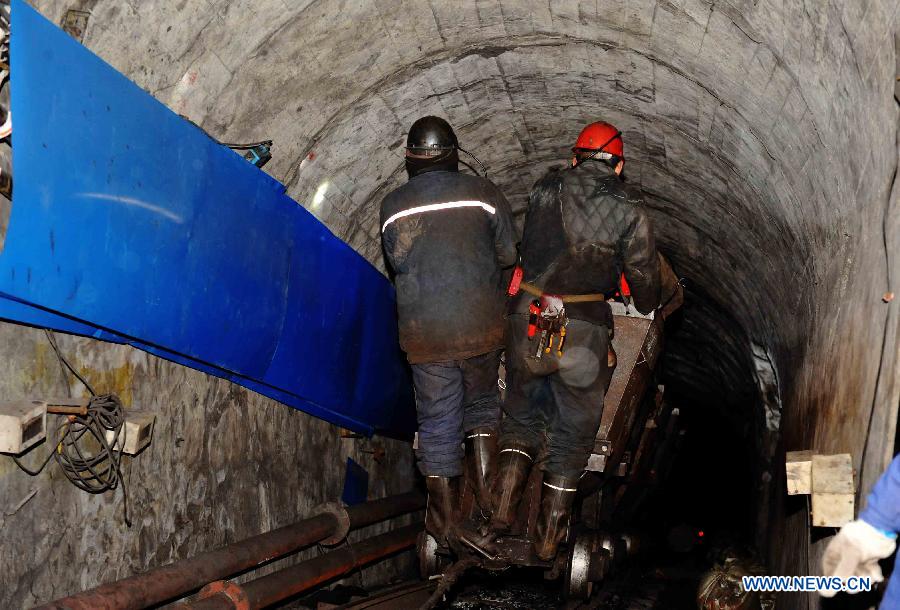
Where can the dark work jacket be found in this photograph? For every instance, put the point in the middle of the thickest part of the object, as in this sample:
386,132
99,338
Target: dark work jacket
583,228
447,236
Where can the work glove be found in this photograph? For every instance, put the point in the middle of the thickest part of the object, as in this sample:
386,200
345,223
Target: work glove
855,551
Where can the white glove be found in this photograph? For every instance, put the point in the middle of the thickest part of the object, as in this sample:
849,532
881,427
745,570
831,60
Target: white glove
855,551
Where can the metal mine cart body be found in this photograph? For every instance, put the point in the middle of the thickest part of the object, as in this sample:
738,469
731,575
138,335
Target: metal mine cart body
637,431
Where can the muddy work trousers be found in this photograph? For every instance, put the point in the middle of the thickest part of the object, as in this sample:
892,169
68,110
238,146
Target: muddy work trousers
452,398
555,401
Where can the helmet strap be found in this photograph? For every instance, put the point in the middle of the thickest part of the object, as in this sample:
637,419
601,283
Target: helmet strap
445,154
420,164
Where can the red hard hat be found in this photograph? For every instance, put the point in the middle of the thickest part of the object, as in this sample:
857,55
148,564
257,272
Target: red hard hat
600,136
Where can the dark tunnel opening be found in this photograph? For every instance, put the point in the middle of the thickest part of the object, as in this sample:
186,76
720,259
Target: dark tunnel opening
719,475
709,485
705,510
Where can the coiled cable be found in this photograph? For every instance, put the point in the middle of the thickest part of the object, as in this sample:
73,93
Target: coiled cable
88,448
85,453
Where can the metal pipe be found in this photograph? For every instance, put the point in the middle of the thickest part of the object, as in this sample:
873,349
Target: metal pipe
296,579
177,579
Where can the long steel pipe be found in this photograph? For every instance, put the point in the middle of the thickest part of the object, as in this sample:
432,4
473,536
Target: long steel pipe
296,579
177,579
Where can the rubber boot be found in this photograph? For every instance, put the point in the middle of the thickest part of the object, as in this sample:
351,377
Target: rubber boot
481,466
441,515
558,493
509,485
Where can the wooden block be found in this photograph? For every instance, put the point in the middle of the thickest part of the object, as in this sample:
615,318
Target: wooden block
832,474
831,510
833,492
798,466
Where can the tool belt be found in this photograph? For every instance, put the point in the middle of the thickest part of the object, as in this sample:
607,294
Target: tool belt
547,314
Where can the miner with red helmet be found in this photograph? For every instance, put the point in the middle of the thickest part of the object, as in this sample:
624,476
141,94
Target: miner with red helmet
583,229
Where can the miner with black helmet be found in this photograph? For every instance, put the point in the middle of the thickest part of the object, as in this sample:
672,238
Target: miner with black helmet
447,238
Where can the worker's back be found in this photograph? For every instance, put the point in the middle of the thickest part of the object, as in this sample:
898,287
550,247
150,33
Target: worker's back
447,237
584,227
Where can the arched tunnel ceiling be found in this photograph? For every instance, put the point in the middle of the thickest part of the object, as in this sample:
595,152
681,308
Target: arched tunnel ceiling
763,134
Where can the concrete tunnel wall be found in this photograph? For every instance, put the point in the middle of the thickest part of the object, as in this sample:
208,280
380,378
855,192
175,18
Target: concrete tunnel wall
763,135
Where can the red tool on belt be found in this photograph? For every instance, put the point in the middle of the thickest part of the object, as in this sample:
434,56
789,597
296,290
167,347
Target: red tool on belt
547,314
534,310
515,281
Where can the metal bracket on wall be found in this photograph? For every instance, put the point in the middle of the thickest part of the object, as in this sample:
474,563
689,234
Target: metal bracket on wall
75,23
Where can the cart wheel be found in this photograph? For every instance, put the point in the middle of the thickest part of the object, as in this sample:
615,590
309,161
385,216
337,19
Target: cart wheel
578,584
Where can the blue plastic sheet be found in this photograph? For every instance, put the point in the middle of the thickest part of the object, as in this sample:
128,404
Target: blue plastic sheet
131,225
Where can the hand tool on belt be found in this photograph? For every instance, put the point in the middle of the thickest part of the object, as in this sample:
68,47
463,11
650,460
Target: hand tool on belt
516,283
549,319
565,298
548,315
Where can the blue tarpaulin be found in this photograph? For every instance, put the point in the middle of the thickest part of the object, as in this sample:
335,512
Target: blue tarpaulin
132,225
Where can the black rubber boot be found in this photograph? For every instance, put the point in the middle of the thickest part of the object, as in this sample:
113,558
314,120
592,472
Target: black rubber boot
557,495
515,466
442,513
481,466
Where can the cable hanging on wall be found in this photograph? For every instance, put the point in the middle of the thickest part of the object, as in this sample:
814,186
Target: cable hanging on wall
257,153
85,445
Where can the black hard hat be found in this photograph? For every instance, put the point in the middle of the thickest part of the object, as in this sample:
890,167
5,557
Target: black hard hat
430,136
431,145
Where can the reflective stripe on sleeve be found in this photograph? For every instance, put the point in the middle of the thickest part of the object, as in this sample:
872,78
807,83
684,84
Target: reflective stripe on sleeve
436,207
